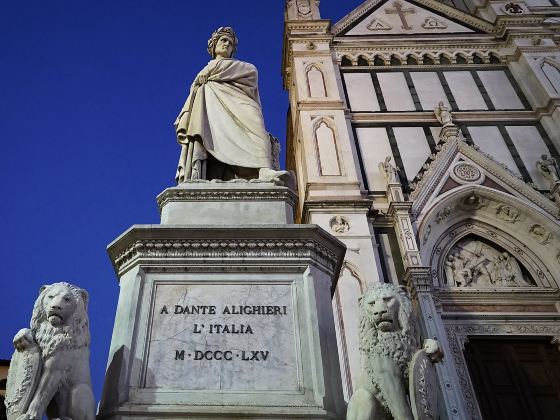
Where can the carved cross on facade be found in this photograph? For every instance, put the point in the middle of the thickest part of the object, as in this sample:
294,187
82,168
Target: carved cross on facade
398,10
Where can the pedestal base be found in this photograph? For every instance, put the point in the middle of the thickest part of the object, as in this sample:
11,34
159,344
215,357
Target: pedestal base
224,321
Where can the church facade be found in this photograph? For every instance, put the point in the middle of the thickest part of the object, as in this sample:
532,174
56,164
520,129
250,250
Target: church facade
424,135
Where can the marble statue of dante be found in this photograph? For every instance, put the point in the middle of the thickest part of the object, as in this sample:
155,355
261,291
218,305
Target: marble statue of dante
221,127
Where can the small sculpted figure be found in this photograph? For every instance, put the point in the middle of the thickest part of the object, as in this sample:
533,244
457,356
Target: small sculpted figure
221,127
389,171
443,114
548,167
49,373
390,357
339,224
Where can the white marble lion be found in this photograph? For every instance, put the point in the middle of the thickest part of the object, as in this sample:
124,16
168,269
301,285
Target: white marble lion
57,383
389,339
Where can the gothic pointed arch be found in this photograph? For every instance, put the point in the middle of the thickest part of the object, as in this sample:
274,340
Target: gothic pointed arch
503,222
345,308
326,142
316,87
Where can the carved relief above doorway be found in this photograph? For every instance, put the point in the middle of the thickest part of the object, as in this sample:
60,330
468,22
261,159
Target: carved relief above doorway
472,262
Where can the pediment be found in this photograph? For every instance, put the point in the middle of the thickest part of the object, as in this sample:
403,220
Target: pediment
406,17
457,164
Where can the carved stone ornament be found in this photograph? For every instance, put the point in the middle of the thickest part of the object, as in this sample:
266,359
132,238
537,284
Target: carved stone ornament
513,9
433,23
444,213
427,232
465,172
390,354
473,263
339,224
51,362
540,234
473,202
379,25
423,381
507,213
24,374
303,7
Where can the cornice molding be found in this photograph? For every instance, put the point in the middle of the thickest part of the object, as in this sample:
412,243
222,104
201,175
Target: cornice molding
257,245
225,194
437,166
445,10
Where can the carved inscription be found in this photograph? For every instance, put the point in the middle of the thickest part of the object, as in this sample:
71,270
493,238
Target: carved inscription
222,336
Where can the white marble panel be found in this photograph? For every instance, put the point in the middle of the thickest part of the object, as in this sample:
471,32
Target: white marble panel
374,145
222,337
413,147
316,82
435,133
395,92
326,146
429,89
490,140
348,291
361,92
464,90
500,90
530,146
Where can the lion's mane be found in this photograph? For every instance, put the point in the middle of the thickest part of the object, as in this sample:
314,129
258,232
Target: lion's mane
399,345
73,334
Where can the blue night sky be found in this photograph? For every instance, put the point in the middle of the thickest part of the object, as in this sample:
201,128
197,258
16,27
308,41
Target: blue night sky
88,95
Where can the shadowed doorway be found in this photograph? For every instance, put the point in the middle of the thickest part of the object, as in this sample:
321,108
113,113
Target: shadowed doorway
515,379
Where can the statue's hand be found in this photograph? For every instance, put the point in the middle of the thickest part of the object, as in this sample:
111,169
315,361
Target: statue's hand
23,339
203,78
181,134
433,350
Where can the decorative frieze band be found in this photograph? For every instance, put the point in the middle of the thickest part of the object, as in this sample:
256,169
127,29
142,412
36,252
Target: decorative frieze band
220,248
273,194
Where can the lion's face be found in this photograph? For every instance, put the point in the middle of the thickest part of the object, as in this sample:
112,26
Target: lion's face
60,318
59,305
384,310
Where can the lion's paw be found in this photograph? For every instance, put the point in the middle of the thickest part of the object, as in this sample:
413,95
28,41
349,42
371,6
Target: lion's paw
433,350
23,340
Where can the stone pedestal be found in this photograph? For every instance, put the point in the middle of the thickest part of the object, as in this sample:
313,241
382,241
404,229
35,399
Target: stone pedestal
224,314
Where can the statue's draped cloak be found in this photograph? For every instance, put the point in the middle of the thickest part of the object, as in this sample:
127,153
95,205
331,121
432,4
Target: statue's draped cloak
224,115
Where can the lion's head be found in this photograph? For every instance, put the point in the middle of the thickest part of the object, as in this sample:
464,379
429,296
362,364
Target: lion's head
387,329
60,318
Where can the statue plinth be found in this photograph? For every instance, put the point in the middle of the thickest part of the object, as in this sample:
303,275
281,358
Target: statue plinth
224,310
218,203
450,132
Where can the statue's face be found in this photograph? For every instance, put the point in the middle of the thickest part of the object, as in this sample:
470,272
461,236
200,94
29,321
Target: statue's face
59,304
385,310
224,47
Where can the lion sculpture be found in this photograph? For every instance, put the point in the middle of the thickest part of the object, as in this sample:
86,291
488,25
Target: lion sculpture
388,341
50,373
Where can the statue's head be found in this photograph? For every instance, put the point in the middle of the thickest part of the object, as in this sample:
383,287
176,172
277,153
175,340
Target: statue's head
223,42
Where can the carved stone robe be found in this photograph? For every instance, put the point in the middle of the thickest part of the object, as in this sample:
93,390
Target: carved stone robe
223,117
